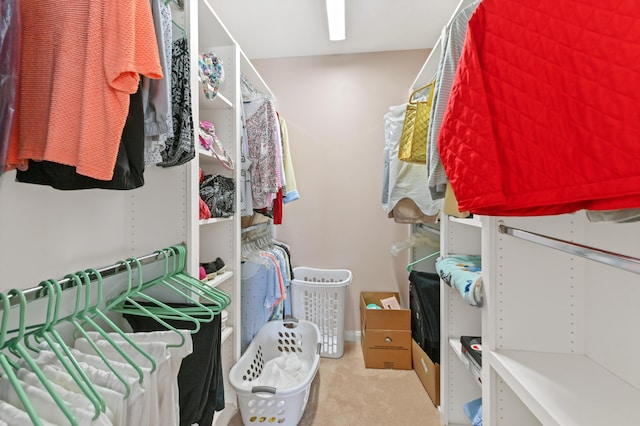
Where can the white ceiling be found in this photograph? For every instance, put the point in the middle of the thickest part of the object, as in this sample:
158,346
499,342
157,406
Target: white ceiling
286,28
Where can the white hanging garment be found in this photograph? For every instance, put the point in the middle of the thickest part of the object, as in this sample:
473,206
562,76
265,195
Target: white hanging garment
406,180
73,399
12,415
151,380
169,398
45,406
113,400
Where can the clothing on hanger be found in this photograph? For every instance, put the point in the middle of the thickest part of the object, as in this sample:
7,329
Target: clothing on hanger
403,180
453,36
72,117
180,148
129,168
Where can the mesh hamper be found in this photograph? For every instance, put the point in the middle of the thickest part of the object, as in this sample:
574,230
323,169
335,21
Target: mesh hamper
319,296
266,404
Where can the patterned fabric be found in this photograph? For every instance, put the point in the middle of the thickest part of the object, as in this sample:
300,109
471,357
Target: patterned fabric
156,144
167,32
181,147
210,73
246,196
263,136
463,273
219,193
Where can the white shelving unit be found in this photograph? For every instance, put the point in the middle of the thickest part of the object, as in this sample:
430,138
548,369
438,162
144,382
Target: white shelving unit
219,237
555,329
458,380
554,350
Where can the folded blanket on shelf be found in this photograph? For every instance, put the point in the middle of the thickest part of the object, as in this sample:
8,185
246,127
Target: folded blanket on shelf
462,272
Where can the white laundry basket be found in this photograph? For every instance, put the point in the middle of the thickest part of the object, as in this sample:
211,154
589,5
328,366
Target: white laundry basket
266,404
319,296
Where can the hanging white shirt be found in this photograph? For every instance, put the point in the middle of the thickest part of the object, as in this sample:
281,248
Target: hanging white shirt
157,384
12,415
99,373
46,407
174,355
113,400
72,399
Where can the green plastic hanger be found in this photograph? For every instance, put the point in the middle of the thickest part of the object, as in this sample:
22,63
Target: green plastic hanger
79,328
410,266
57,344
15,346
171,279
216,297
72,318
95,310
85,316
160,313
126,303
5,363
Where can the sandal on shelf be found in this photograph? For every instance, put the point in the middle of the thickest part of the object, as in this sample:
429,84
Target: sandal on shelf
214,268
209,141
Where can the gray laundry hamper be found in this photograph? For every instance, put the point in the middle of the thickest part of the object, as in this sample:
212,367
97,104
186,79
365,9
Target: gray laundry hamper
319,296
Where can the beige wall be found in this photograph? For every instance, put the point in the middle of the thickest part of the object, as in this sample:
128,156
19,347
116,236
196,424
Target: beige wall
334,108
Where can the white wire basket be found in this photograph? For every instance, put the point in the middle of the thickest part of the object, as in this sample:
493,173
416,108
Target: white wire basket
267,404
319,296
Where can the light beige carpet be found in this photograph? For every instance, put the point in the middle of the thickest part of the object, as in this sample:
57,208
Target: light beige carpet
344,392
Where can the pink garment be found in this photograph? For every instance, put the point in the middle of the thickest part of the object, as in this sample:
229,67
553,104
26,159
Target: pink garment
283,290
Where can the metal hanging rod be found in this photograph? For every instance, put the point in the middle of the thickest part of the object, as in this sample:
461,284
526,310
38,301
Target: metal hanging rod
34,293
259,230
617,260
428,228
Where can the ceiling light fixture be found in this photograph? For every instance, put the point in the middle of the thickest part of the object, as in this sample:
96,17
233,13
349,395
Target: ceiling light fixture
336,20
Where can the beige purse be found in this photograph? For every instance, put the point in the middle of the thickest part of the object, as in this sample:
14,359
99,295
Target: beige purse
413,140
451,204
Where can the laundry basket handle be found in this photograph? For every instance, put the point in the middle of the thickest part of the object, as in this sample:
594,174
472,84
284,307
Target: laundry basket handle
290,322
263,389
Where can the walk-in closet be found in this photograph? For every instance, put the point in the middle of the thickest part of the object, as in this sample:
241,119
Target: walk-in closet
236,212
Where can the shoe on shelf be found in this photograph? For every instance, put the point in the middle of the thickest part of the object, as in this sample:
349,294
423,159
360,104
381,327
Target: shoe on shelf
220,266
209,270
212,269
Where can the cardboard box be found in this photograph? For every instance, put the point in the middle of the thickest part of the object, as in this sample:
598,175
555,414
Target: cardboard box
427,371
385,333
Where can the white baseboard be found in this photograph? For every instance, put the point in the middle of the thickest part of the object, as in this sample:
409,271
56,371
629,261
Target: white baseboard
352,336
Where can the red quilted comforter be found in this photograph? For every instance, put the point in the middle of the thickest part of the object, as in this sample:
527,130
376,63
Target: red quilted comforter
544,113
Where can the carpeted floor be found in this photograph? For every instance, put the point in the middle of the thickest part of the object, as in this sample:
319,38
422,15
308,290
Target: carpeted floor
344,392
